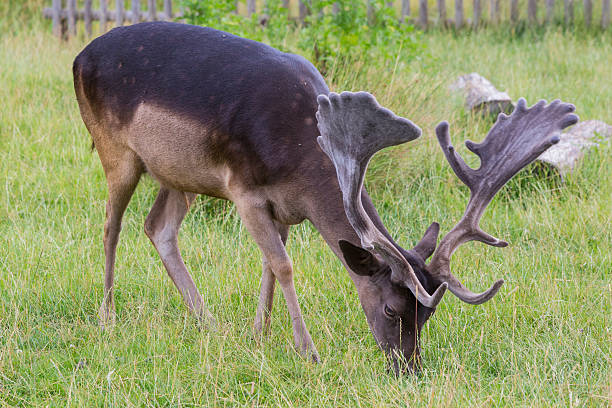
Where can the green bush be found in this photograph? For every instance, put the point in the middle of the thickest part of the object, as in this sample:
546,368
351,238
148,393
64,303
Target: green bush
349,33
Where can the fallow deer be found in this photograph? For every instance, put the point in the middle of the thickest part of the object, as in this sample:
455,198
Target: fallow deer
206,112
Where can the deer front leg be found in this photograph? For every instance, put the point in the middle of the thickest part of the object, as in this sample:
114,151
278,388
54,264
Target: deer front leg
261,226
266,293
162,226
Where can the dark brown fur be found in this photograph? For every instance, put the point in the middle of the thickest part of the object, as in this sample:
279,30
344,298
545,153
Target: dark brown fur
205,112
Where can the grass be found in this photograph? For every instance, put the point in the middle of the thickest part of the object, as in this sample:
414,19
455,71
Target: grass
543,341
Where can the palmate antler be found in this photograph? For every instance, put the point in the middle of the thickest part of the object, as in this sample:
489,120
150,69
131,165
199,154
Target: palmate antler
511,144
353,127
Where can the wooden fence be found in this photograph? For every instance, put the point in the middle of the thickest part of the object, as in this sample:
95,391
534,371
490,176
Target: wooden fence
65,18
473,14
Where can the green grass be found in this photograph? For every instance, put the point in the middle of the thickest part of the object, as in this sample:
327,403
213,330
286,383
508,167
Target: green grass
543,341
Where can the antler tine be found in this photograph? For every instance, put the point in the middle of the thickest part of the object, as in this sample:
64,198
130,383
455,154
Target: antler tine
353,127
511,144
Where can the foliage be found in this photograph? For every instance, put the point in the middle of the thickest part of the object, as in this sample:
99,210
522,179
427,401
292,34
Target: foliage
544,341
352,31
269,26
331,30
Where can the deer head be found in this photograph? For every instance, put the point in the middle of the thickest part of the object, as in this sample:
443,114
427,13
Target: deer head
400,291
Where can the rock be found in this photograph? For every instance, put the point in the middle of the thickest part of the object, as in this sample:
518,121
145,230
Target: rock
481,96
563,156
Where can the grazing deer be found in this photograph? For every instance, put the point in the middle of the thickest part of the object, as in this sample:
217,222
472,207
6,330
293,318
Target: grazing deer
206,112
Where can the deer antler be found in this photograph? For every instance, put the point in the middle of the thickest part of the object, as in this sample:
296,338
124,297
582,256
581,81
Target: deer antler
353,127
511,144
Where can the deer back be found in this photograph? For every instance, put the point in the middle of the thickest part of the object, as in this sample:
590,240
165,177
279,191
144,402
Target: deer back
250,107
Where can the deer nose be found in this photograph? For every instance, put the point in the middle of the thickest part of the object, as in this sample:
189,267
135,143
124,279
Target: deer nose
399,365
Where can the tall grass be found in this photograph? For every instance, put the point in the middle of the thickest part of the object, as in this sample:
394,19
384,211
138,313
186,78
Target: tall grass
543,341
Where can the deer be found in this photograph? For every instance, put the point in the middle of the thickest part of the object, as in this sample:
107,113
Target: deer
206,112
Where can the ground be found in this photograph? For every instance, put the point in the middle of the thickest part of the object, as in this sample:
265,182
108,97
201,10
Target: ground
543,341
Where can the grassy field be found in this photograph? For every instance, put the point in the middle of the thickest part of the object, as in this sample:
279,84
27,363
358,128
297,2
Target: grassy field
545,340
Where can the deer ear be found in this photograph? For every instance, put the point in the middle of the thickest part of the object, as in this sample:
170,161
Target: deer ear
427,244
359,260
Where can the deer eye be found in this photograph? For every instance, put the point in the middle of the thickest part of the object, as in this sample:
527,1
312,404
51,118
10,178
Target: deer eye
390,313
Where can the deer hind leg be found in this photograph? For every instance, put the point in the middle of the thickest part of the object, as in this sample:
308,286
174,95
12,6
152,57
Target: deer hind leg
162,226
261,226
122,177
266,295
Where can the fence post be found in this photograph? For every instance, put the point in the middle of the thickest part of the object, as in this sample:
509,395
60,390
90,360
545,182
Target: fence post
119,13
304,10
494,11
605,14
56,13
405,9
514,12
87,17
168,9
458,14
103,15
550,11
532,12
152,11
423,14
477,13
442,12
135,11
71,10
588,12
569,12
370,13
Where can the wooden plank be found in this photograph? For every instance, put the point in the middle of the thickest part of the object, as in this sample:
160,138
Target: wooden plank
119,12
458,14
494,11
303,10
103,13
250,7
588,12
71,9
96,14
135,12
442,12
152,14
477,13
56,18
605,14
550,11
87,16
168,9
569,12
514,12
423,14
532,11
405,9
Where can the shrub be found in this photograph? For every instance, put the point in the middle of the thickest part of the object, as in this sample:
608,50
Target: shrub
349,33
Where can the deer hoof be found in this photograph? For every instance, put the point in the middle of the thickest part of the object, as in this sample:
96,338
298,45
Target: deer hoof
106,316
205,321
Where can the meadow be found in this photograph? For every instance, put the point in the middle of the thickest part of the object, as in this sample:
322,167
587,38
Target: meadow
544,341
